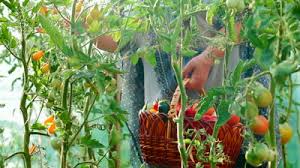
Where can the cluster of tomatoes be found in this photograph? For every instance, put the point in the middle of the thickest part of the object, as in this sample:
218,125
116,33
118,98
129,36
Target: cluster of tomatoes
37,56
261,97
210,115
50,123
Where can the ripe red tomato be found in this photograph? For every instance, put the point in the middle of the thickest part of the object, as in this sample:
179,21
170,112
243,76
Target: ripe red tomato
259,125
190,112
208,118
155,105
234,120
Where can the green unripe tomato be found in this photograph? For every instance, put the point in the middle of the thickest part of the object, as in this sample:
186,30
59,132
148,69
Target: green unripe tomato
56,83
261,151
187,141
252,159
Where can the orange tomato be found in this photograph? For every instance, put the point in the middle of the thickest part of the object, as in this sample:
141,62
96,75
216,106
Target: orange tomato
38,55
286,133
43,10
259,125
45,68
49,120
52,128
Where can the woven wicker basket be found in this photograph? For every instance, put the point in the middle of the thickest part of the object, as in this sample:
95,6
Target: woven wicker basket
158,136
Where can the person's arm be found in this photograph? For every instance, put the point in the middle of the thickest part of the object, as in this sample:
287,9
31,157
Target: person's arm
198,68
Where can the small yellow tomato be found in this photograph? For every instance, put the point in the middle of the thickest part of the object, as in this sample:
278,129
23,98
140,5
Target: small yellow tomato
45,68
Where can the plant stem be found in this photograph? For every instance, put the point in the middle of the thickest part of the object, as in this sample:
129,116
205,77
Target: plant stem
39,133
180,121
90,151
284,156
289,110
272,122
212,146
24,110
65,143
85,162
178,74
86,112
13,155
116,148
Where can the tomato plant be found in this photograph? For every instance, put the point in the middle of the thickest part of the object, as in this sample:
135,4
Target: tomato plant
69,53
55,45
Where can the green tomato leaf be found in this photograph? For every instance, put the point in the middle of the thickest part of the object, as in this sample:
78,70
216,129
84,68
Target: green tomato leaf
203,106
189,53
264,57
90,143
150,57
111,163
55,35
223,114
38,126
211,12
236,75
134,58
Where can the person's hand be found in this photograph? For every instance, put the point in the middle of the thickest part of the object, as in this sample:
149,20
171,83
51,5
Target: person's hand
198,69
